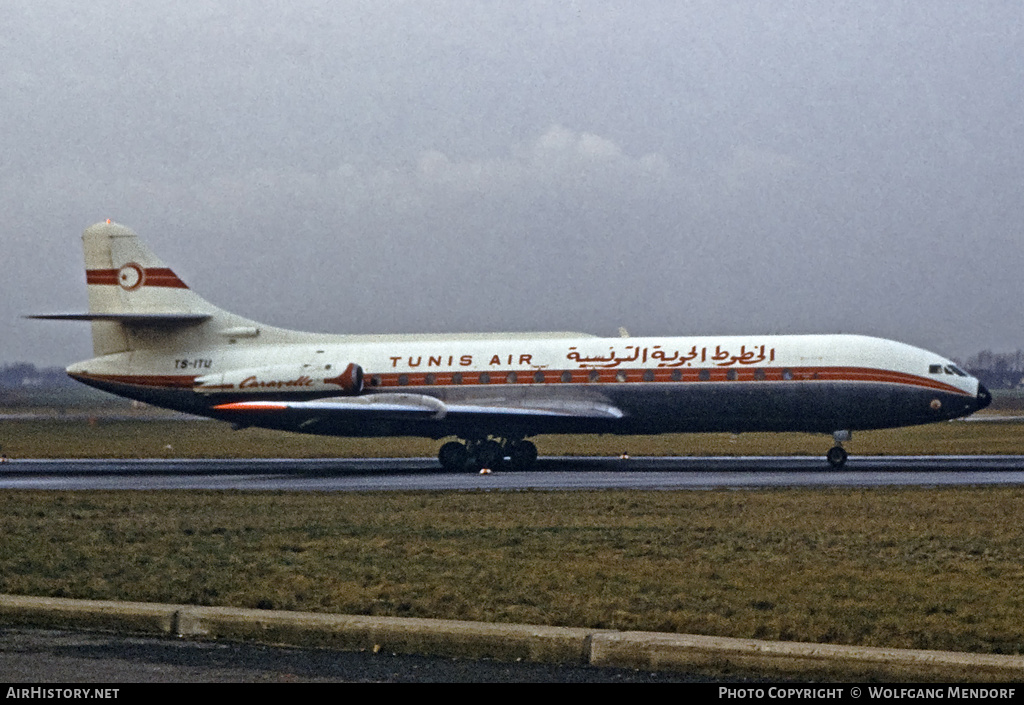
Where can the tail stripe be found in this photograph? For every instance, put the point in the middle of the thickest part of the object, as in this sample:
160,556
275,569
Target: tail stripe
157,276
164,277
101,276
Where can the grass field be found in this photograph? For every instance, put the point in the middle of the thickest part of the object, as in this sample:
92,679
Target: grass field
98,437
914,567
919,568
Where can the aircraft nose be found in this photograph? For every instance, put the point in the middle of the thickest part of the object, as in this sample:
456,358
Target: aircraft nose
984,396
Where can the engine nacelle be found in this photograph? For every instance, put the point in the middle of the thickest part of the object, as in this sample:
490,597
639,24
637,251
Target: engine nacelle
284,379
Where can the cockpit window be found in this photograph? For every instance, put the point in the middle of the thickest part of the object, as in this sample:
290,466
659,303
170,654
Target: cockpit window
957,371
935,369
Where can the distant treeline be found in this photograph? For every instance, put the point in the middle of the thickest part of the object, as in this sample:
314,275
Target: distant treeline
23,384
997,370
23,374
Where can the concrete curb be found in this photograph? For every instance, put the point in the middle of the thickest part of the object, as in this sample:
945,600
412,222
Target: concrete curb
509,642
437,637
678,652
101,615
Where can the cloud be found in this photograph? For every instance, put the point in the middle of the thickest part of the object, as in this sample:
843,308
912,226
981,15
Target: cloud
561,142
558,160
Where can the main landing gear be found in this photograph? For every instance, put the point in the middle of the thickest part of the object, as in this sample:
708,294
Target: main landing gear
490,453
837,455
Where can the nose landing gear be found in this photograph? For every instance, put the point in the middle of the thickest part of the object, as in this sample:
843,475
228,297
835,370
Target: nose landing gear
837,455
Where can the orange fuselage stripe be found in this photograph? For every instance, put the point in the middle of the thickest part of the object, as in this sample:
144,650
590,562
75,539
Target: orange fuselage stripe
592,377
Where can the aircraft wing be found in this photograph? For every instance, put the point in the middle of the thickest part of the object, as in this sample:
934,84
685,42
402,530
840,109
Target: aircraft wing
426,407
555,408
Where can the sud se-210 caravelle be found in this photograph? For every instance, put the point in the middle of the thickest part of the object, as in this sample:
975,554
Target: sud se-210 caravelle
157,341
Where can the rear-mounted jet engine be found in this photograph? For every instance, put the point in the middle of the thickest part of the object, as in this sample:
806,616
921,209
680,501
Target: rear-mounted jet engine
285,379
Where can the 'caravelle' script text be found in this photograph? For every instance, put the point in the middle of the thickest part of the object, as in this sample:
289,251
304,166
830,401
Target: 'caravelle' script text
256,383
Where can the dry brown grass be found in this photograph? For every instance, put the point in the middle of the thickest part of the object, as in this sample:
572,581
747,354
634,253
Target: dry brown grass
920,568
101,438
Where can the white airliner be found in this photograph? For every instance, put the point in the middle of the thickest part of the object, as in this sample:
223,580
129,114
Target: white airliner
156,341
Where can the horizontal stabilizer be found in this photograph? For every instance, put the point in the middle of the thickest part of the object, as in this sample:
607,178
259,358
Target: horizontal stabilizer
132,319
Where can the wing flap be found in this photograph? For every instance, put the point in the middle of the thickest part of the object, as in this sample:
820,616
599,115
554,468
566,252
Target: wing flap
552,409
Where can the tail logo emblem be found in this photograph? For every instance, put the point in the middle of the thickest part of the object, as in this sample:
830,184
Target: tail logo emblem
131,276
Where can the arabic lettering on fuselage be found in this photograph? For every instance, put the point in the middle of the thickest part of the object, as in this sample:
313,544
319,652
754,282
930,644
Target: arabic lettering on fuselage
718,356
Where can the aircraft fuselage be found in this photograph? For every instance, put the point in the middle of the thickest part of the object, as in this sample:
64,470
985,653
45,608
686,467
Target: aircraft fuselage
157,341
816,383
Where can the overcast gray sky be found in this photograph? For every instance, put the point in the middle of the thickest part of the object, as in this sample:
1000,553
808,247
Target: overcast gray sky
393,166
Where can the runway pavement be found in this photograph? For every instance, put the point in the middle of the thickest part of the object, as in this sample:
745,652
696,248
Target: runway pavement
655,473
38,656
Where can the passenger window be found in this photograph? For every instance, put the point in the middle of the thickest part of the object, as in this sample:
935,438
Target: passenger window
594,375
567,376
648,375
731,375
677,375
538,376
484,378
704,375
457,378
403,380
511,377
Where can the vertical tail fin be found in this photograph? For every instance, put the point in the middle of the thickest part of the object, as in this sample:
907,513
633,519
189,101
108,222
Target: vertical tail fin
124,276
130,287
137,303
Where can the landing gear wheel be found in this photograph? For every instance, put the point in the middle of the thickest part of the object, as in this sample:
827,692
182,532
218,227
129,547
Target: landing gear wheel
522,455
489,455
453,456
836,457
